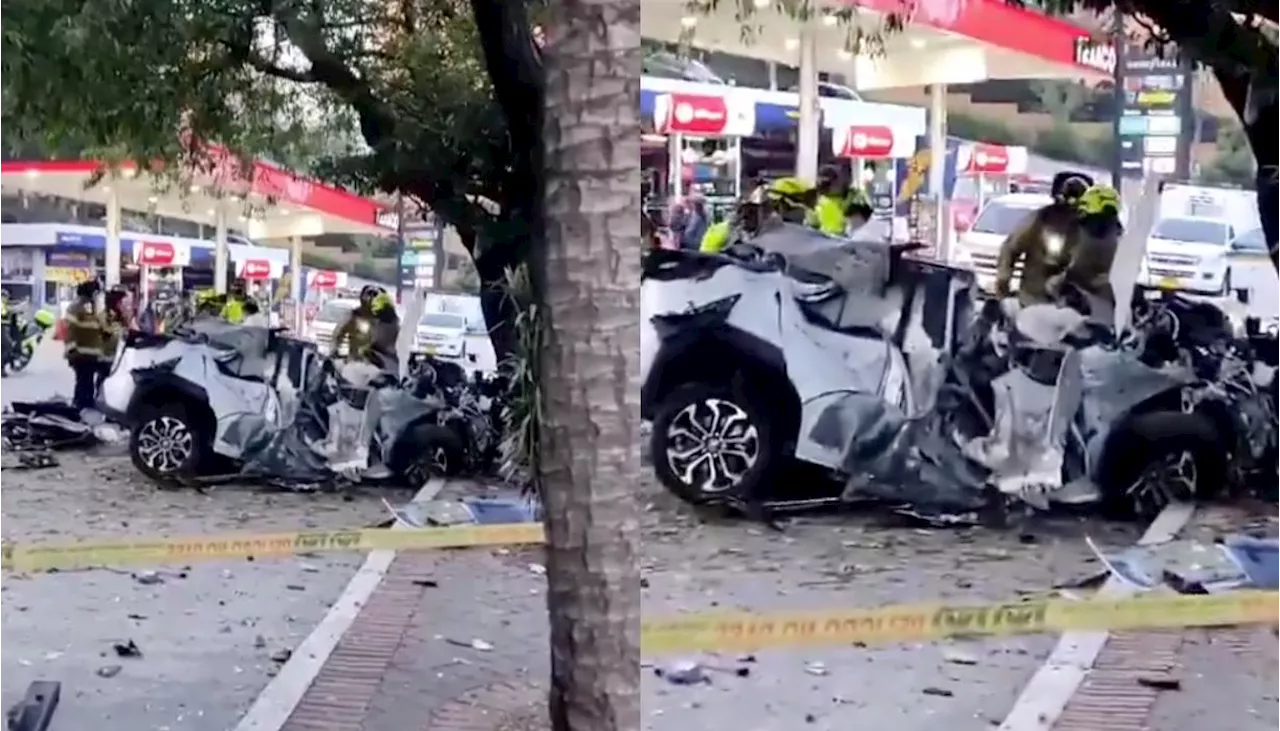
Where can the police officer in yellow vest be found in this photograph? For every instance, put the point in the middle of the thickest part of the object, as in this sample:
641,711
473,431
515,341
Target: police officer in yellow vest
827,212
85,335
239,304
371,330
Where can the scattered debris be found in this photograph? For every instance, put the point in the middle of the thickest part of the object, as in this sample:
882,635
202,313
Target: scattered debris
109,671
281,656
940,692
148,577
959,657
35,711
127,649
1160,682
684,672
815,668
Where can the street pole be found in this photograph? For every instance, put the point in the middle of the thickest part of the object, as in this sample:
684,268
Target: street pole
400,248
1117,83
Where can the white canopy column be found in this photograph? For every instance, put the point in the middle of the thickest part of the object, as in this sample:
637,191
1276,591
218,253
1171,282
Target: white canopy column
113,247
938,165
220,249
807,140
295,282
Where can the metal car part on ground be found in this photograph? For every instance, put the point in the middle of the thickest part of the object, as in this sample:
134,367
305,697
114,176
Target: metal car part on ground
851,357
219,402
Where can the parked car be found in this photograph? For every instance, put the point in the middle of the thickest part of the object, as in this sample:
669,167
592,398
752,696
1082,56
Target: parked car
441,335
979,247
1189,254
333,313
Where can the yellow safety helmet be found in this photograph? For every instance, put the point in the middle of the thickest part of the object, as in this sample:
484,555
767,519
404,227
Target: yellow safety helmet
1099,200
381,301
793,189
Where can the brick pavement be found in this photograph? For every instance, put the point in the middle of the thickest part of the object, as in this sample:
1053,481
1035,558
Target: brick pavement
408,664
1213,679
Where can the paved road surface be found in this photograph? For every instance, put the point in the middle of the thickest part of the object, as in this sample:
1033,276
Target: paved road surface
207,633
851,561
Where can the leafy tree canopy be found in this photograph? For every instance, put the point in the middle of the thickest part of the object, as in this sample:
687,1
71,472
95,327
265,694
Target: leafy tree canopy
439,100
401,84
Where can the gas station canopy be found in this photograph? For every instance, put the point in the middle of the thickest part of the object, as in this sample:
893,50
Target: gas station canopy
269,202
943,42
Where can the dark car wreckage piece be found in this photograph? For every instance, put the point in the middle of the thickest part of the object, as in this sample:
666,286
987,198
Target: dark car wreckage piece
218,402
853,357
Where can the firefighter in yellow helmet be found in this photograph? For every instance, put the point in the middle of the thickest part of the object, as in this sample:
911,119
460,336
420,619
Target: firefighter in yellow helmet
1043,242
371,330
1087,269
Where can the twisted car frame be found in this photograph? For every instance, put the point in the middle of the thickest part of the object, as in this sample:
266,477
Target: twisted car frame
893,376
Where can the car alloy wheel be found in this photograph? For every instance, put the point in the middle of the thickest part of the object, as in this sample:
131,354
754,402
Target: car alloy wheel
165,444
1170,478
712,445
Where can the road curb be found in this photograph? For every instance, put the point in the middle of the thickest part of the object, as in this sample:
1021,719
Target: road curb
276,703
1045,698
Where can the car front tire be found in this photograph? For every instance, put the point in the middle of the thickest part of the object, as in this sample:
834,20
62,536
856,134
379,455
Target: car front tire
166,444
710,445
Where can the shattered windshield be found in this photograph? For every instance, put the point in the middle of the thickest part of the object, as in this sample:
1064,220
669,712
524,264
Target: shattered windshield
1002,218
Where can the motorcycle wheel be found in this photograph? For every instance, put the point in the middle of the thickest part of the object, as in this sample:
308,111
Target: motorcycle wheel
19,361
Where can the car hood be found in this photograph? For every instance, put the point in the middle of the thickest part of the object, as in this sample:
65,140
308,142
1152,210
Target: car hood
1185,249
440,333
987,243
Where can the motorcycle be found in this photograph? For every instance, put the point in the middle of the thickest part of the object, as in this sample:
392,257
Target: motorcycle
22,338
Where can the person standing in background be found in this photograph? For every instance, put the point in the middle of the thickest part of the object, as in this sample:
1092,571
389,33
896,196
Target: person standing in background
677,219
115,321
697,220
84,342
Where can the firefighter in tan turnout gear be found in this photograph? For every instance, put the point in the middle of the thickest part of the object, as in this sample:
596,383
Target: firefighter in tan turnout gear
1043,244
86,333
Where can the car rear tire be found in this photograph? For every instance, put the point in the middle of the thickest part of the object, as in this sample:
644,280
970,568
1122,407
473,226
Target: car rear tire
1157,458
710,445
427,451
167,444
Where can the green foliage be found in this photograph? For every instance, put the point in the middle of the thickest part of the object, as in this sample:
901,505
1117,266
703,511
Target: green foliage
1060,143
523,416
373,95
1233,161
972,127
1061,98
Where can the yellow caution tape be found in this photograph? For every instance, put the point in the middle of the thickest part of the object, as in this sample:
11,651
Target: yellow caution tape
743,632
31,557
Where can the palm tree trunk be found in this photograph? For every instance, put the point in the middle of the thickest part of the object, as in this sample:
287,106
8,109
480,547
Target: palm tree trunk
591,457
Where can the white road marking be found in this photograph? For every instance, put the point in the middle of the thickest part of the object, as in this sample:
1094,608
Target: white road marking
1044,699
273,706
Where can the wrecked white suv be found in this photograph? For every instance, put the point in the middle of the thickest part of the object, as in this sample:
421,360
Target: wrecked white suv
853,357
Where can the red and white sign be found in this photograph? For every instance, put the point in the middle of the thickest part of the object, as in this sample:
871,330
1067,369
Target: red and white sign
704,115
161,254
260,269
324,279
867,142
982,158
